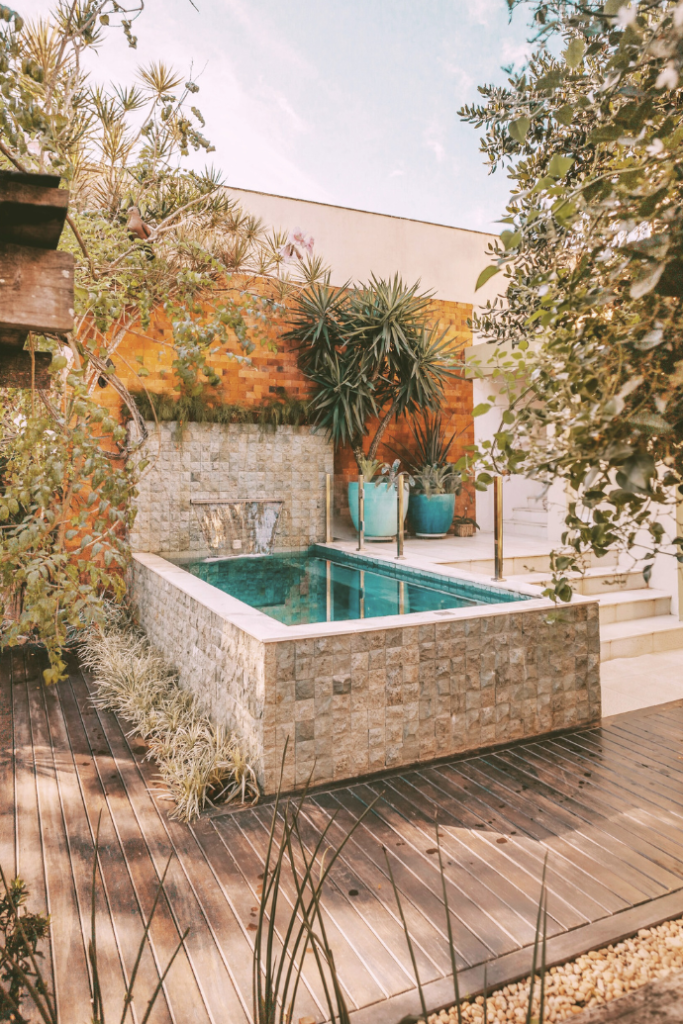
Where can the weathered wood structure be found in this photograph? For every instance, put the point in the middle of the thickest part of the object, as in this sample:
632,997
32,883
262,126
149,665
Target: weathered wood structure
36,281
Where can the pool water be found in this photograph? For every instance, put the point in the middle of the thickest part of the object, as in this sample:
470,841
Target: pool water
318,586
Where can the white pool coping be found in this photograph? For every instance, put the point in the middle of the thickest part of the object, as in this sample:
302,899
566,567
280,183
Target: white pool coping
268,630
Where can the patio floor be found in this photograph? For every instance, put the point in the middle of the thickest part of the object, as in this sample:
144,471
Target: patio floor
606,805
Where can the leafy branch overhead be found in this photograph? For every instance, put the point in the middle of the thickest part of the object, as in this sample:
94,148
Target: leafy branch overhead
157,248
591,260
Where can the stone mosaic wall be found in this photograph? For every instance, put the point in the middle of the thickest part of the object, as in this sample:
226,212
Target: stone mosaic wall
230,462
219,662
363,701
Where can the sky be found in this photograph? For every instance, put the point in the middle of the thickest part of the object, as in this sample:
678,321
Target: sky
349,102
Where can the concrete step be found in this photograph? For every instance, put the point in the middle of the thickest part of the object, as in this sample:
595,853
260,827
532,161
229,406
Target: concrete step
629,605
528,566
594,582
641,636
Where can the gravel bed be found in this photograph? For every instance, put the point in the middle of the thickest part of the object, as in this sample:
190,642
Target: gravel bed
591,980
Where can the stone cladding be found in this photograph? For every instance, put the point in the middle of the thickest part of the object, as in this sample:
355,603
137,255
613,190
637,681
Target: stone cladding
367,699
228,462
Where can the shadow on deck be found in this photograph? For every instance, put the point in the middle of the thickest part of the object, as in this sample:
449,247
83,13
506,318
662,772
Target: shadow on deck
606,804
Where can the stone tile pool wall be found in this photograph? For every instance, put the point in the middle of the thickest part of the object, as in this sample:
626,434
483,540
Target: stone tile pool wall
359,697
229,462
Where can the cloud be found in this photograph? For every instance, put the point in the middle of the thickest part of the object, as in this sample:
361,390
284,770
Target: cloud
515,53
483,12
433,139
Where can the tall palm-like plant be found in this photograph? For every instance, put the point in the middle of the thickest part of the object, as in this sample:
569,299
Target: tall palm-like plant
369,352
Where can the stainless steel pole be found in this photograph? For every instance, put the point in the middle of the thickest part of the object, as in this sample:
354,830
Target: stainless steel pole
401,512
328,590
328,508
361,513
498,526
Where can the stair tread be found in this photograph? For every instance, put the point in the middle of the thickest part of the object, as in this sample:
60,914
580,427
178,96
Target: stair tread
640,627
629,596
539,578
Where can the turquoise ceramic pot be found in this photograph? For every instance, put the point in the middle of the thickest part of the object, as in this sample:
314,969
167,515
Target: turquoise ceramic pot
432,514
381,509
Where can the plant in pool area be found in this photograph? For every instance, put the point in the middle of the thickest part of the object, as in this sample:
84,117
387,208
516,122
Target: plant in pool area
435,480
199,763
368,351
280,410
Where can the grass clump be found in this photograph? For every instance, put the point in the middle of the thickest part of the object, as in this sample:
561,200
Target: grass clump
200,763
279,411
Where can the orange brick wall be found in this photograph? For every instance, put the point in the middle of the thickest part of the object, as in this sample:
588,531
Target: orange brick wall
251,384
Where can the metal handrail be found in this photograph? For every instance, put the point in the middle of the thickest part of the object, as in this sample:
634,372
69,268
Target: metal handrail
498,528
328,507
361,512
401,511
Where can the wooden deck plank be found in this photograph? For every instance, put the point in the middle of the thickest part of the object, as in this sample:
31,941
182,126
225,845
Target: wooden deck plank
368,864
191,895
615,838
603,857
486,861
658,862
519,862
351,927
392,958
30,861
602,796
642,780
7,773
80,840
115,880
524,858
183,998
246,885
66,925
572,875
414,874
466,875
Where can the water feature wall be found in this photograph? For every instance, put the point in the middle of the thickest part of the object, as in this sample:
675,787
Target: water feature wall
231,489
242,527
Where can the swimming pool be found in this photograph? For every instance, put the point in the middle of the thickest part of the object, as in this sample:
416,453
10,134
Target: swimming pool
318,585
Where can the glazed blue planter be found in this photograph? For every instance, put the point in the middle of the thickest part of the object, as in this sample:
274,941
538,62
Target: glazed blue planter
432,514
381,509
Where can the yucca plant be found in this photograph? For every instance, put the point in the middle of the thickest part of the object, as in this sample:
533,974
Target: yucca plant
369,352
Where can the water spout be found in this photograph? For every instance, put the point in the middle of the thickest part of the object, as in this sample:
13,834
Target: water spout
244,527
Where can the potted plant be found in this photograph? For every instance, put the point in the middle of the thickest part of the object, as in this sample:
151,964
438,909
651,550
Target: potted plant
465,526
369,354
380,499
437,481
433,503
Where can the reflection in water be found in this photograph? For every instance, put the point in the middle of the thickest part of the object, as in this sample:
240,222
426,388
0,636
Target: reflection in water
304,587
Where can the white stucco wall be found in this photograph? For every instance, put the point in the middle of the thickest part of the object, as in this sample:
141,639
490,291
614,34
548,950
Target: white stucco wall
355,243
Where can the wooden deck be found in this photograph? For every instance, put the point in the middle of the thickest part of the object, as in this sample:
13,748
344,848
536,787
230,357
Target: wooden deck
606,804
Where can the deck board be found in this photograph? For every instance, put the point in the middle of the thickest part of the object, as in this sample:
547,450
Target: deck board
605,805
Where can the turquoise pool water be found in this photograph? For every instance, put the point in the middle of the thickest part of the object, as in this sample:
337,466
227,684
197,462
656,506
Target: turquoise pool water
311,586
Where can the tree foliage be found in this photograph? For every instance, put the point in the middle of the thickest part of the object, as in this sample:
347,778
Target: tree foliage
592,258
67,475
369,352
